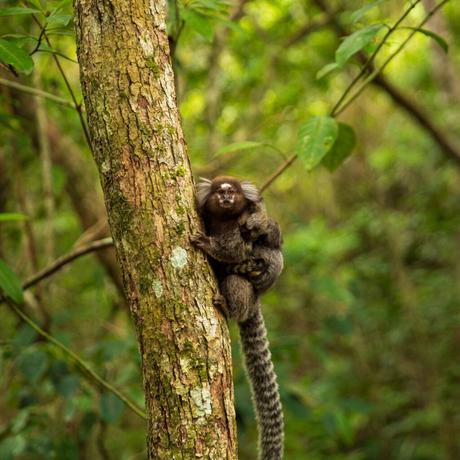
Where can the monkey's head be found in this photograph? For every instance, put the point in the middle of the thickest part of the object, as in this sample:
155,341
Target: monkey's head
225,196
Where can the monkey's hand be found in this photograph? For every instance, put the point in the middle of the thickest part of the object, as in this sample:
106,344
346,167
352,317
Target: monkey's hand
200,240
254,225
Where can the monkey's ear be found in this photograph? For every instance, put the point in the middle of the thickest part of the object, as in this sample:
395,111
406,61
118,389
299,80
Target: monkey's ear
250,191
203,190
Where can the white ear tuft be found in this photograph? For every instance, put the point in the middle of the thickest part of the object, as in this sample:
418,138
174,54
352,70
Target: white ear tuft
250,191
203,190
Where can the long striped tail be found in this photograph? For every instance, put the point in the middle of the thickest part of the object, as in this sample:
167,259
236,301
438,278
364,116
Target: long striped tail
264,387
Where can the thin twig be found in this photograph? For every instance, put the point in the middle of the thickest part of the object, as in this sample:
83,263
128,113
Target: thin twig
379,70
65,259
84,368
39,41
371,58
69,88
47,180
278,172
37,92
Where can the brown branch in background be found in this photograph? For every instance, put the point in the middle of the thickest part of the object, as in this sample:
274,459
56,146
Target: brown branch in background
81,183
81,188
77,105
411,108
4,191
101,439
215,82
31,244
308,29
47,179
66,259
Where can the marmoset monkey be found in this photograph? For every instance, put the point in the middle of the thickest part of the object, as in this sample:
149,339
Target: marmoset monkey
245,245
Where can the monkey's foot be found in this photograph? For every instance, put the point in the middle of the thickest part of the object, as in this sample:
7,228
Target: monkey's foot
220,302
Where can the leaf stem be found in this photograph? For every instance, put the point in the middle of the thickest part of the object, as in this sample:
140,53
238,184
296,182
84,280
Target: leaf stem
369,61
389,59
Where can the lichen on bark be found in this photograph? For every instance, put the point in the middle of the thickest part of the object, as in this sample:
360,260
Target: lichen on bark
138,145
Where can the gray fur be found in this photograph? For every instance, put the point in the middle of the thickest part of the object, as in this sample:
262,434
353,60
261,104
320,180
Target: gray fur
203,190
250,191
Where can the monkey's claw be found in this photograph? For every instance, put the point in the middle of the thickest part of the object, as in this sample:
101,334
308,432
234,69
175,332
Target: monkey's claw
220,302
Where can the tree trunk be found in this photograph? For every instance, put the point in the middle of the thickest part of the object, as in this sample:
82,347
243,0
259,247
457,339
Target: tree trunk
138,145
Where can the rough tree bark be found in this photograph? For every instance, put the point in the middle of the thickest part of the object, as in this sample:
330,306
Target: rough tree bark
128,86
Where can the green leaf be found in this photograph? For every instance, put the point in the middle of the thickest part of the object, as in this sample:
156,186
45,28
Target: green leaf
10,283
58,20
437,38
68,385
110,407
198,23
246,145
24,336
33,365
357,15
15,56
356,42
11,11
12,447
343,146
12,216
316,137
37,4
327,69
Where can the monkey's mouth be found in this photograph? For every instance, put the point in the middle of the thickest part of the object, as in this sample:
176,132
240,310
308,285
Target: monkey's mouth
226,204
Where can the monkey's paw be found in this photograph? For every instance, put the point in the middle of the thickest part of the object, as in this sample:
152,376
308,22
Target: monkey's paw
199,239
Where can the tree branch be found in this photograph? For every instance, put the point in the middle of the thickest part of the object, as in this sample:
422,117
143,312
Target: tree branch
37,92
65,259
84,368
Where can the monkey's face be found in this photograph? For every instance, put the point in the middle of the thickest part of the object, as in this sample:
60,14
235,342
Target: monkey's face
226,196
226,199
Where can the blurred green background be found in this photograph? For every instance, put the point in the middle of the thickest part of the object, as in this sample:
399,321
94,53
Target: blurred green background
364,322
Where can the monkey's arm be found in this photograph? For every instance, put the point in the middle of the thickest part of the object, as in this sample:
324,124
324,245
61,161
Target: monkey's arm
227,248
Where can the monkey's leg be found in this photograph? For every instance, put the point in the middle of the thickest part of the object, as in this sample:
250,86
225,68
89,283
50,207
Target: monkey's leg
240,296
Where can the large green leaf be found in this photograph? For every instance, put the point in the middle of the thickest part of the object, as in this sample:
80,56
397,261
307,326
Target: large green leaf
14,10
356,42
316,137
13,55
10,284
343,146
199,23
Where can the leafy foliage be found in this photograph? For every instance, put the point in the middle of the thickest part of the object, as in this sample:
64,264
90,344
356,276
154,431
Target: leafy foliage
364,322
